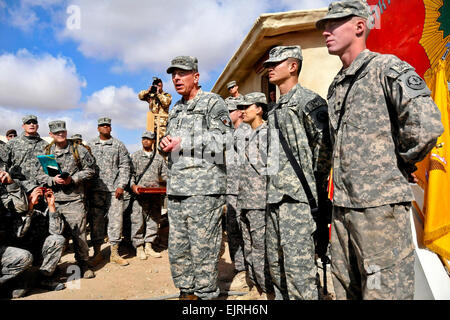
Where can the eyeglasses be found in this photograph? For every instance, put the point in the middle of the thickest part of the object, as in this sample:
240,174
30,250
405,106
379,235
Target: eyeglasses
104,125
31,122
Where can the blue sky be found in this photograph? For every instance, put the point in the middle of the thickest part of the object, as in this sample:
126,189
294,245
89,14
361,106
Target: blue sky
82,59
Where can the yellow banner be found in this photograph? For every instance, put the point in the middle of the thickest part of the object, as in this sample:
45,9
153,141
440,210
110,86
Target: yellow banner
434,175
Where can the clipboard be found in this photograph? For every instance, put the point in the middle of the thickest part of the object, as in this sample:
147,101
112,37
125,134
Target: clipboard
49,164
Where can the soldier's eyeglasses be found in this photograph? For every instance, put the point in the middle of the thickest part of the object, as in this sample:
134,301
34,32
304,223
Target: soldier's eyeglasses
31,122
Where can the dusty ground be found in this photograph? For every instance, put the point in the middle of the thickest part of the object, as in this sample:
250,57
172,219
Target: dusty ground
140,280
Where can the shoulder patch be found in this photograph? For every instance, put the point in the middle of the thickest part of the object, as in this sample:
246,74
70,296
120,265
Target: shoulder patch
225,120
413,85
320,117
415,82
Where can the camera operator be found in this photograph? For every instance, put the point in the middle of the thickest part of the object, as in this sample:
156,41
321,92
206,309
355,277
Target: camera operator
159,102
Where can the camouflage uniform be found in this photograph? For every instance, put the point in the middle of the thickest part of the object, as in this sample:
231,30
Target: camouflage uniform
113,165
389,124
146,210
70,199
234,232
20,157
13,260
196,188
252,203
37,232
303,121
158,105
372,195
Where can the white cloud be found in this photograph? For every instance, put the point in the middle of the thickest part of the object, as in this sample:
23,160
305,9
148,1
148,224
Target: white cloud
120,104
147,34
38,82
304,4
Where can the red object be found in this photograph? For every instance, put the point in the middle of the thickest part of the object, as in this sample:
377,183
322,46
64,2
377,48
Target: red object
152,190
399,31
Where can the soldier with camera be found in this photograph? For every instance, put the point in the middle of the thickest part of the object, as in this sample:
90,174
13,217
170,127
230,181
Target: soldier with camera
159,102
20,153
77,166
31,235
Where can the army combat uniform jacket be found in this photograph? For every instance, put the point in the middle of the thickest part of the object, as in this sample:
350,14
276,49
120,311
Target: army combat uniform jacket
395,122
155,173
235,157
253,173
80,173
303,121
203,124
113,163
20,157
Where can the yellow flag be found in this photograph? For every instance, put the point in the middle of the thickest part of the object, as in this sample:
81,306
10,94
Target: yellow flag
434,173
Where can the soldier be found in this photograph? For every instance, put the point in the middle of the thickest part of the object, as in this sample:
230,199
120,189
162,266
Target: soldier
233,228
78,164
197,183
20,153
13,261
107,191
252,196
233,89
159,103
33,230
148,170
383,121
300,116
77,138
11,133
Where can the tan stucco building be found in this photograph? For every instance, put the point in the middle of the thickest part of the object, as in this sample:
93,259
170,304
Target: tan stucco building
270,30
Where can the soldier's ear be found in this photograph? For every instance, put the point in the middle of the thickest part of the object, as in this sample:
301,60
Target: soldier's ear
196,77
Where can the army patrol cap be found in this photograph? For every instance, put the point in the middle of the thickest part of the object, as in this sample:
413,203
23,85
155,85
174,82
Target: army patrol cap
11,131
184,63
149,135
76,136
253,98
28,118
231,84
342,9
57,126
104,120
282,53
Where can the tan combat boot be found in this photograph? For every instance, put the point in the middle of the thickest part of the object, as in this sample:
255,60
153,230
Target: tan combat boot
149,251
140,253
98,257
115,257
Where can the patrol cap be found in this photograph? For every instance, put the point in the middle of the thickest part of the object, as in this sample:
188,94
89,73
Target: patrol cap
104,120
11,131
253,98
282,53
28,118
149,135
57,126
345,8
231,84
184,63
76,136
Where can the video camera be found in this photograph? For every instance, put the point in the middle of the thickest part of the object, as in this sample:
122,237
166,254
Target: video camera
154,87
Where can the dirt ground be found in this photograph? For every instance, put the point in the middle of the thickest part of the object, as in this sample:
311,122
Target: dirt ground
141,280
